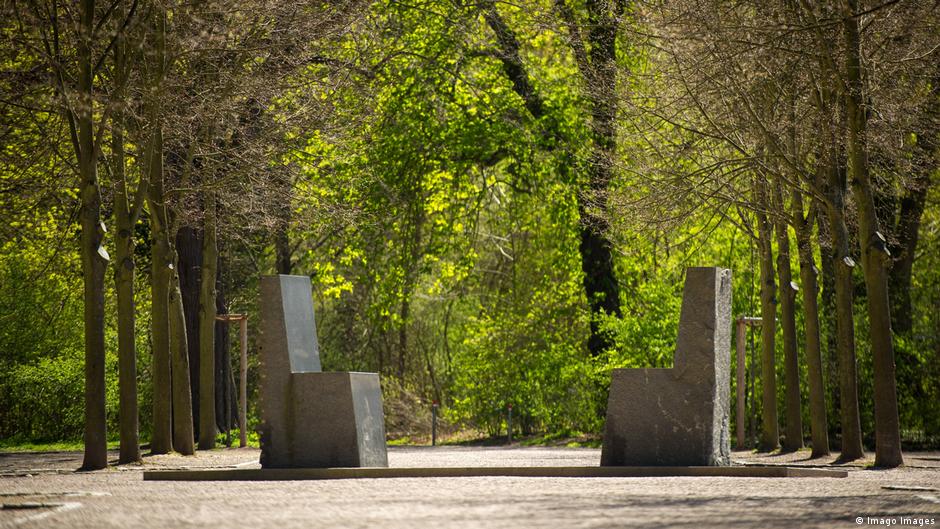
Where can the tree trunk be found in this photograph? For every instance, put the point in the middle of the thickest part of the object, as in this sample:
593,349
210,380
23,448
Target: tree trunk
874,252
902,266
125,216
207,324
600,283
223,362
169,326
183,439
769,439
282,253
827,319
189,252
600,77
913,203
597,64
127,349
819,427
794,428
161,267
161,441
125,219
412,252
404,314
845,325
93,261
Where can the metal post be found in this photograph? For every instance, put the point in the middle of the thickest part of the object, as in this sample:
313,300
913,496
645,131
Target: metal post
509,424
243,384
434,424
741,383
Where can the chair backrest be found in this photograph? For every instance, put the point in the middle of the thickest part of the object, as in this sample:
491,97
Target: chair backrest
704,323
289,327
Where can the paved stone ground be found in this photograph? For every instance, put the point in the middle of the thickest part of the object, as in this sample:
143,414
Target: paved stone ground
118,497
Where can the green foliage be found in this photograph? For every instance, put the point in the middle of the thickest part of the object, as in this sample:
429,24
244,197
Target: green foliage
40,337
527,355
43,401
43,384
918,355
646,335
40,295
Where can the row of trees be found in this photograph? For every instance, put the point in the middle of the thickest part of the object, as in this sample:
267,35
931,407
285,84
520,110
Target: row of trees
495,203
817,114
169,109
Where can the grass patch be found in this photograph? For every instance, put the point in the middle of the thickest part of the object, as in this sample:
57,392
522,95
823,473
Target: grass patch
254,441
14,445
566,439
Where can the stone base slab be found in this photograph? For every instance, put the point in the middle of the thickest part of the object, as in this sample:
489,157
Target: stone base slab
289,474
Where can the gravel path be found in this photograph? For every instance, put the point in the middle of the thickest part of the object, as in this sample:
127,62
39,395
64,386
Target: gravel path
118,497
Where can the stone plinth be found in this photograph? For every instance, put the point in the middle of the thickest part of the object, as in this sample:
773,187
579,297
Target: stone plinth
679,416
309,418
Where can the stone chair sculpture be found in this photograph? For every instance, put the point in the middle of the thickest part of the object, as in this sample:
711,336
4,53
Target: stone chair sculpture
310,418
679,416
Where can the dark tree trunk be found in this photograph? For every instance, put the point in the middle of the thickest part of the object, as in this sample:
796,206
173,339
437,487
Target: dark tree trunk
600,282
599,74
183,437
404,314
903,251
874,252
803,227
179,172
596,63
842,265
125,219
282,250
126,210
769,439
827,320
189,251
794,415
93,263
161,441
207,320
223,359
911,210
169,325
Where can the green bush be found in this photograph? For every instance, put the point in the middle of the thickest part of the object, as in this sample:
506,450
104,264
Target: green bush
43,401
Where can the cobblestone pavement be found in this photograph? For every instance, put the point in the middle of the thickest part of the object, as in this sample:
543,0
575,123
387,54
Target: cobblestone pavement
49,493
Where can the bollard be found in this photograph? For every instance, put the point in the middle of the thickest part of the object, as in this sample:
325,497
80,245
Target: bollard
434,423
509,424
